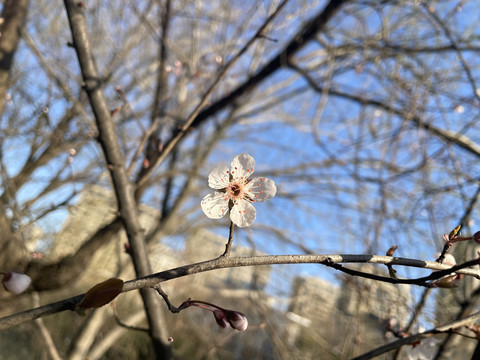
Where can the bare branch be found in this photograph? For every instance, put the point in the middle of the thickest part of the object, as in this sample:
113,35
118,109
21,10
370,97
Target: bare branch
196,114
151,281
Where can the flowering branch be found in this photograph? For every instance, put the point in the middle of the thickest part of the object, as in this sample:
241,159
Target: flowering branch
151,281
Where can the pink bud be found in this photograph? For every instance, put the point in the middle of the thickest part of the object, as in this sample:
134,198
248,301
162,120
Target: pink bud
236,319
220,318
476,237
15,282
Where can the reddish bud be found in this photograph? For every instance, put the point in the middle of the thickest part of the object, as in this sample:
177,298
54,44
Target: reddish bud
476,330
101,294
223,317
476,237
220,318
391,250
115,111
236,319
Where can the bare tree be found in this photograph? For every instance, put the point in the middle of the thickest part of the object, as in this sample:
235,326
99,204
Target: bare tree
364,113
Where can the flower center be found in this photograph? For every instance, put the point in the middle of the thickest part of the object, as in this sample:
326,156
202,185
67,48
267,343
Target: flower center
236,190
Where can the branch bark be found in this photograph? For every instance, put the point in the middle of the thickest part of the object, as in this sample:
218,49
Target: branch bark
153,280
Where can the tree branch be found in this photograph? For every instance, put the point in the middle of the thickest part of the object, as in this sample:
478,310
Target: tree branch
116,164
458,139
151,281
197,116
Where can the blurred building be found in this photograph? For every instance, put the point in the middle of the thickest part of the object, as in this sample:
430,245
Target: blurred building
347,320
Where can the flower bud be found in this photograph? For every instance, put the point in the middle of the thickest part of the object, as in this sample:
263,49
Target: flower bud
15,282
236,319
476,237
220,318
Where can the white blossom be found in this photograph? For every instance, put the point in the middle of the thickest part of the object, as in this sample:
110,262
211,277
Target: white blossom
235,192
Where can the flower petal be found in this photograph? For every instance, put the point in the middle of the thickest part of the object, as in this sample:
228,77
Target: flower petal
215,205
449,260
243,213
242,166
15,282
219,178
261,189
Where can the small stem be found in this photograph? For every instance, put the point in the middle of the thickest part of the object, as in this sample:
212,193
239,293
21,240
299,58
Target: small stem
164,295
445,249
229,242
461,238
204,304
122,324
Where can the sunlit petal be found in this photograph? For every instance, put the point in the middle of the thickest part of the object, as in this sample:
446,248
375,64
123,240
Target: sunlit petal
242,166
219,178
215,205
261,189
15,282
243,213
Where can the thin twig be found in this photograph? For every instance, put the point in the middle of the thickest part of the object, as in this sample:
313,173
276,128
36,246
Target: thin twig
425,281
230,240
126,326
47,337
453,44
143,177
